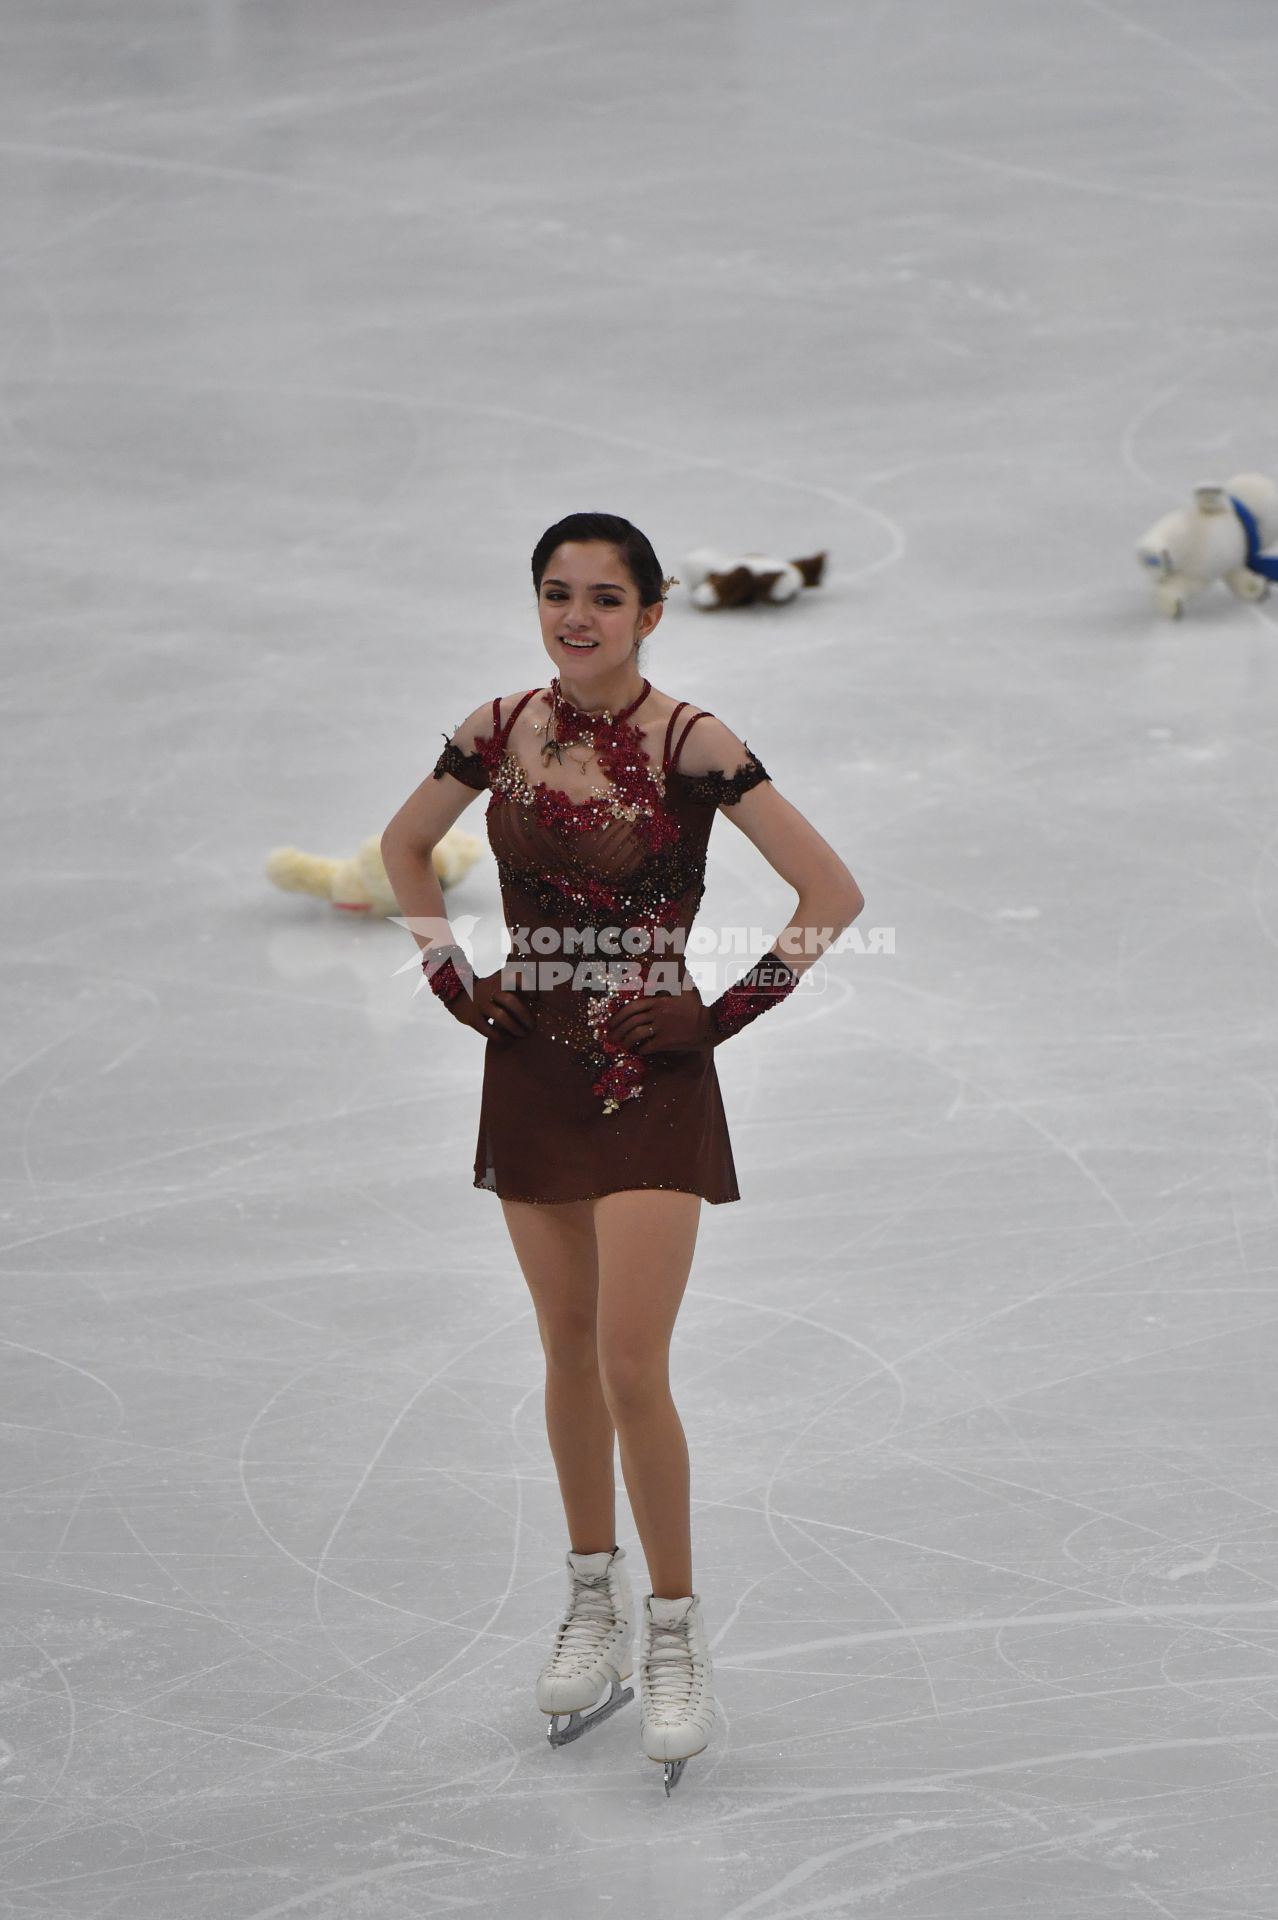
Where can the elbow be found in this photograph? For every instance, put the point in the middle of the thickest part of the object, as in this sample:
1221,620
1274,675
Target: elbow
852,904
848,895
833,901
400,843
392,843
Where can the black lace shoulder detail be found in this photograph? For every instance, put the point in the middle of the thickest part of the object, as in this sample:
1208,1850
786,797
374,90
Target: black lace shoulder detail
469,768
725,789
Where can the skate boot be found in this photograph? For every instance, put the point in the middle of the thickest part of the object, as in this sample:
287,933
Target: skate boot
594,1647
676,1710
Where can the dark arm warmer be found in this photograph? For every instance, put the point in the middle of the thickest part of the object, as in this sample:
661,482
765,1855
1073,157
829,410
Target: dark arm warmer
767,982
441,972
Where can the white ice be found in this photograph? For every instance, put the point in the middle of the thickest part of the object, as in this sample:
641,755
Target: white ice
312,317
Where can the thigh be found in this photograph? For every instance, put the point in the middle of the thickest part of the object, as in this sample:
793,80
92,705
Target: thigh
646,1238
555,1248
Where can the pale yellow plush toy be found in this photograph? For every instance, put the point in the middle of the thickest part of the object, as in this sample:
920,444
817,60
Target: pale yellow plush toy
360,885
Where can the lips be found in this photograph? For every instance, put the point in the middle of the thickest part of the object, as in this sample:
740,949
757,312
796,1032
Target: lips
577,645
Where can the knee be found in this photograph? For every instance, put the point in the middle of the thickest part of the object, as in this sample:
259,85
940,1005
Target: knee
570,1346
632,1381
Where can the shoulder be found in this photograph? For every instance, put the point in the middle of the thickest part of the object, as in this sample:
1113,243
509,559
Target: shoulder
507,703
717,766
497,708
672,719
711,746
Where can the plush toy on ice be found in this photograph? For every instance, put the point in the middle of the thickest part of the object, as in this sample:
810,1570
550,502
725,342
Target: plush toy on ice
1223,536
360,885
715,579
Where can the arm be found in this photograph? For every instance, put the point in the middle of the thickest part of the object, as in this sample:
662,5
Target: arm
415,831
407,844
829,899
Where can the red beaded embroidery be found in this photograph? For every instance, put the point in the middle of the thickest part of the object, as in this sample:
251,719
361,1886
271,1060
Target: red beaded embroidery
443,978
636,796
663,890
767,982
636,793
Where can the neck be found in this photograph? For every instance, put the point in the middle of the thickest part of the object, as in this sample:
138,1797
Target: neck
613,690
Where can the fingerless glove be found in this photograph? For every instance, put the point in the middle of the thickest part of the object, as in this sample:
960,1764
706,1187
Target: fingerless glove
767,982
441,973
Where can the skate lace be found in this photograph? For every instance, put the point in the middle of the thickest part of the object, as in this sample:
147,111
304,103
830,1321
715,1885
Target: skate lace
589,1618
668,1670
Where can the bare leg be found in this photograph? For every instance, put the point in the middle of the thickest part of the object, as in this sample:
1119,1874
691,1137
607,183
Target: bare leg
555,1247
645,1240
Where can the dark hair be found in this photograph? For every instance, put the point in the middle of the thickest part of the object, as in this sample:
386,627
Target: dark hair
634,547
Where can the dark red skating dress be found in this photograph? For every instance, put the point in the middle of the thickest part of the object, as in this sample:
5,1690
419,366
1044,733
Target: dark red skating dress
564,1116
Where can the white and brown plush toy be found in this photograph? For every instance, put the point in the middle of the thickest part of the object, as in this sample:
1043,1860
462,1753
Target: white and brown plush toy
1221,537
715,579
360,885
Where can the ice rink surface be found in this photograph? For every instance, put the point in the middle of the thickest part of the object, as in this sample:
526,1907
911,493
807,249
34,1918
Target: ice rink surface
313,317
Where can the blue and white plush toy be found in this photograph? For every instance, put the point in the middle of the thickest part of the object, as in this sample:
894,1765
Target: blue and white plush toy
1223,536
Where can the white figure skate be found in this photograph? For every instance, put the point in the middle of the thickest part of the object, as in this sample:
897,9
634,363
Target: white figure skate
582,1681
676,1710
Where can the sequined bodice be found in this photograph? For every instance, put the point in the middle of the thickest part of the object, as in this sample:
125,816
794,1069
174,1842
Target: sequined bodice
571,870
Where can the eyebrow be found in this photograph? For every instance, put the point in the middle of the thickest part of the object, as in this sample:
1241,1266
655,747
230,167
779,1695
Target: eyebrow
594,585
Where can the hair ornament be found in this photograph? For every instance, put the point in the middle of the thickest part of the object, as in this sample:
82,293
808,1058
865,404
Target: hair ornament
671,580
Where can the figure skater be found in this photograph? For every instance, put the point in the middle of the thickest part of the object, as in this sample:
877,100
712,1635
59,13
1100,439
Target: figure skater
601,1126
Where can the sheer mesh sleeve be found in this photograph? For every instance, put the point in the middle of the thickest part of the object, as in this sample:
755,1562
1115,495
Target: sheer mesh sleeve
718,789
463,754
717,766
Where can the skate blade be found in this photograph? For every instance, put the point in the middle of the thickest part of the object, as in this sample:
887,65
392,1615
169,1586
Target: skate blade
579,1719
674,1768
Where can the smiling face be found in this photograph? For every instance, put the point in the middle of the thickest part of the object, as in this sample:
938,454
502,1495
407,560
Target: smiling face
587,595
